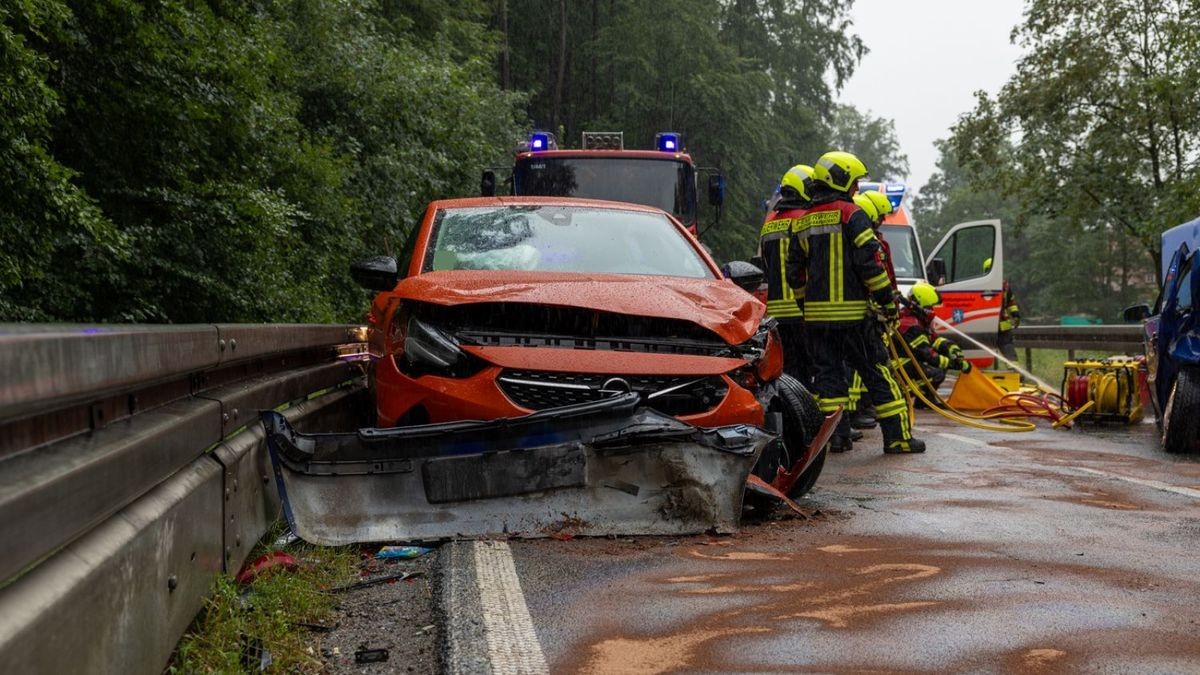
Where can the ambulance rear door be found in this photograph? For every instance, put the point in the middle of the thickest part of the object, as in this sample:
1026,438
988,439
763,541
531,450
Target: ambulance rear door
972,255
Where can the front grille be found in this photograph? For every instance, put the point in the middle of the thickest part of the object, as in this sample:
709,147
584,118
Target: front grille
538,390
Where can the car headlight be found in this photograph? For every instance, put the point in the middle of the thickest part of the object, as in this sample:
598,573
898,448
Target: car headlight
423,349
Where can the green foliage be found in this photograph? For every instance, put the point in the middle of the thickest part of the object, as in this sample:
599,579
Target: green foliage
214,161
267,609
872,139
1106,106
1055,267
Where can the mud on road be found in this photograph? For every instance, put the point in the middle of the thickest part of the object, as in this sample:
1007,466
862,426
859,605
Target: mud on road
1048,552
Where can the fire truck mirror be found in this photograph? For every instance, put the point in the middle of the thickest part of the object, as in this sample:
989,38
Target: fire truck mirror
716,189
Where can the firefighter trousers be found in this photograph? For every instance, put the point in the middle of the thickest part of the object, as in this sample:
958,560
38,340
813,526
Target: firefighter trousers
796,361
833,347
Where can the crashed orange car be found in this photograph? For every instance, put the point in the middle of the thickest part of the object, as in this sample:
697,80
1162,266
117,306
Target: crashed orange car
539,363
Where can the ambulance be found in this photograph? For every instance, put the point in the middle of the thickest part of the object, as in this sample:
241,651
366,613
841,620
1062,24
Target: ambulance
966,266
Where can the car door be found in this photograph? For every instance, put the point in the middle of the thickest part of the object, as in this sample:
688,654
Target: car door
1176,306
972,287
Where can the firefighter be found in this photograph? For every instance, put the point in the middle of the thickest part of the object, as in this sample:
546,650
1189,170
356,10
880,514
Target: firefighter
862,413
773,242
935,354
833,264
1010,318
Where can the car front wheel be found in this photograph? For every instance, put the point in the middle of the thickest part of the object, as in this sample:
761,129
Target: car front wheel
1181,416
801,421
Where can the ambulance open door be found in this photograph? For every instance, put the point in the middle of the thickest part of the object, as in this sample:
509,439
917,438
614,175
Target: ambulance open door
967,266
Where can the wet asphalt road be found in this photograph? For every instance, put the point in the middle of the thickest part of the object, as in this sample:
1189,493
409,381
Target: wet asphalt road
1042,552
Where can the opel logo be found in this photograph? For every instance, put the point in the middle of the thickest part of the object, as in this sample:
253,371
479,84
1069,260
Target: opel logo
615,386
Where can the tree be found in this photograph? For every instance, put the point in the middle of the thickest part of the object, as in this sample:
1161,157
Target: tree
1105,105
872,139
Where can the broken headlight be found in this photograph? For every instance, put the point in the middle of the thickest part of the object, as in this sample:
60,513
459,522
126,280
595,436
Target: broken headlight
764,356
423,349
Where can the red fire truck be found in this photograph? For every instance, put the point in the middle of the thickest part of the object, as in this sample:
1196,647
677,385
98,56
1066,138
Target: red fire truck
665,177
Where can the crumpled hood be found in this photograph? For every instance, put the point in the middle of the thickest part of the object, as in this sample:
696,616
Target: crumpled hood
716,305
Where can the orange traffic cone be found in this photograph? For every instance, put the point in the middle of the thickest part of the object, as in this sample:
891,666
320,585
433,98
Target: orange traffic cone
974,392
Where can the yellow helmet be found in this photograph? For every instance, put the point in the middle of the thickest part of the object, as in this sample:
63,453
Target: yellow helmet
924,294
839,170
864,202
987,265
799,178
882,204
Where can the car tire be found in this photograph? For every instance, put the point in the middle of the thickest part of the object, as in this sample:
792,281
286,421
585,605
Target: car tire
801,421
1180,423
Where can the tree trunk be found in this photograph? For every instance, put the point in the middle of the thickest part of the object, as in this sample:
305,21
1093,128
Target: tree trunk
562,63
505,65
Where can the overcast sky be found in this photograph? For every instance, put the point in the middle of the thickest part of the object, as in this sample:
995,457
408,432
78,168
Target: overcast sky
930,56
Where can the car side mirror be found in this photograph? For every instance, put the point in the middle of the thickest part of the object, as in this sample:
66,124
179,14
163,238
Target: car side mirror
487,183
935,271
743,274
757,261
1136,313
375,274
716,189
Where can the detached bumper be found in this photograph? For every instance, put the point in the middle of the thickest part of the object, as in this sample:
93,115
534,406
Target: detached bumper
608,467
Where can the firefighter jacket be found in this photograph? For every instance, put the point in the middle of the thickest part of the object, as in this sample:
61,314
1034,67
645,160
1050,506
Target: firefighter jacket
885,257
773,241
916,327
1010,313
833,261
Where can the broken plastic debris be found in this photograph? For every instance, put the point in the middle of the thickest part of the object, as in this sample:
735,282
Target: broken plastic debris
390,578
270,561
402,552
371,656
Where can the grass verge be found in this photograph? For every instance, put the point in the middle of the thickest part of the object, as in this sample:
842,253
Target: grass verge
267,611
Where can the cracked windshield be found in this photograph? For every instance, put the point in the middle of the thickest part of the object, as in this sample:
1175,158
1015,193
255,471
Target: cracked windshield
562,239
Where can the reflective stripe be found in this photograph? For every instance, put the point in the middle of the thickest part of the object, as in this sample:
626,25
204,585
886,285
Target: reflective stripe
891,409
836,280
819,218
830,404
920,340
863,238
835,311
943,362
783,308
879,281
1005,325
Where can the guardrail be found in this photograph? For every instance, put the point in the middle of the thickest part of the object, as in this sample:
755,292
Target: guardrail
132,472
1118,337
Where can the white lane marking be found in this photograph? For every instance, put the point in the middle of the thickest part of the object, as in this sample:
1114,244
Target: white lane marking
970,441
1187,492
513,646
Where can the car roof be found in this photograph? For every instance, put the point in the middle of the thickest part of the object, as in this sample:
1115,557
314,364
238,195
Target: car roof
474,202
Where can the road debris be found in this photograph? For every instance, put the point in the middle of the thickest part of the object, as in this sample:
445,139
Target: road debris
266,562
390,578
402,552
370,656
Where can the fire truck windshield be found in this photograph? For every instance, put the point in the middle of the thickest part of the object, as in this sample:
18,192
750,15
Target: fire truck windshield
906,257
664,183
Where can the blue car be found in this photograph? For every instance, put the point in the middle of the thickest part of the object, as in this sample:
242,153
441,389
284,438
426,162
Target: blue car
1172,340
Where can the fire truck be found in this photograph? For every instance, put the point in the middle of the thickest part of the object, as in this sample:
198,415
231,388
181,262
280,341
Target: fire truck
966,266
665,177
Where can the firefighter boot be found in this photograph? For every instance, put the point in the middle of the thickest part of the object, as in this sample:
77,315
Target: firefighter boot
863,418
894,441
840,444
855,434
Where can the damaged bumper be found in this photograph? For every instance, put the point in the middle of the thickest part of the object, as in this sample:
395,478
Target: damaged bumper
599,468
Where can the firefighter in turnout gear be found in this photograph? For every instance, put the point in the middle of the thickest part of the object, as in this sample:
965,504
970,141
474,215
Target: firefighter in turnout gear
834,266
1010,318
935,354
876,206
773,241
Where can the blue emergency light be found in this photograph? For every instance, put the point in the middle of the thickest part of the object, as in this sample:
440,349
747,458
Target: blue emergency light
540,140
667,141
895,193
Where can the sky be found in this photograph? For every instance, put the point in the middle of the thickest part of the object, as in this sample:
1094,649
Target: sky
930,56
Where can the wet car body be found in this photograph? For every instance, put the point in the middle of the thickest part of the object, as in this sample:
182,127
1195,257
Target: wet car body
528,340
1172,340
548,364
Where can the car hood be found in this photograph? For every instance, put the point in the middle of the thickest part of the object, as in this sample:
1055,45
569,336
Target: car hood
719,306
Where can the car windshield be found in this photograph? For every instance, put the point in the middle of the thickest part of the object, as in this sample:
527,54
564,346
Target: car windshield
666,184
906,258
561,239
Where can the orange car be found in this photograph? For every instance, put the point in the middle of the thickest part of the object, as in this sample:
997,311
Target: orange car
511,305
518,344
